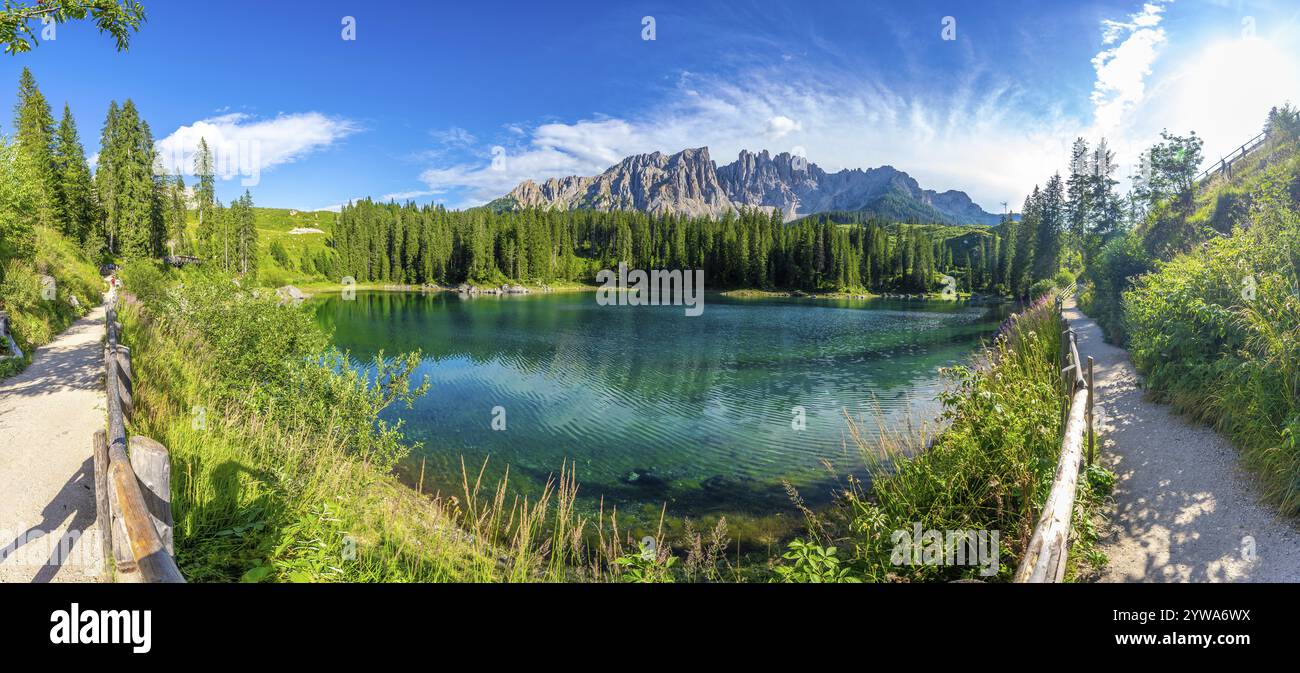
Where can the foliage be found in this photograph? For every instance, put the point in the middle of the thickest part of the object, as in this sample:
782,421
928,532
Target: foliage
18,204
813,564
1215,331
647,565
118,18
390,243
1119,262
1169,168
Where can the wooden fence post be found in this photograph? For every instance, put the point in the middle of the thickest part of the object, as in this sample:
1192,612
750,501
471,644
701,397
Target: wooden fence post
125,384
103,510
153,468
1090,396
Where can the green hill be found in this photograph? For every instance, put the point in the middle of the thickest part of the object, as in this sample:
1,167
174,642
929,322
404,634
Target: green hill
293,245
1202,292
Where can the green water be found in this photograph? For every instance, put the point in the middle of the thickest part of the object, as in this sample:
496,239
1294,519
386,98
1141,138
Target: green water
653,406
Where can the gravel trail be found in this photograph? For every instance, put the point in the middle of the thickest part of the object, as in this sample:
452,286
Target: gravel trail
1184,510
48,414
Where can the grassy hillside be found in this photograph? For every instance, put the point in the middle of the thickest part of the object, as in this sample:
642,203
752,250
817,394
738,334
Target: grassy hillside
286,258
36,315
1204,294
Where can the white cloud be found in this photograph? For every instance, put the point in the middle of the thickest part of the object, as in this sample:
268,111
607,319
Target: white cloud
245,146
780,126
962,145
1219,84
412,194
454,136
1122,69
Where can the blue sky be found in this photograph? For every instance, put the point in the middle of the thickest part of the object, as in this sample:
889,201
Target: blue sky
420,103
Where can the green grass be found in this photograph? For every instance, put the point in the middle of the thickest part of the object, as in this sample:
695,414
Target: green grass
273,227
990,469
36,317
1217,333
282,469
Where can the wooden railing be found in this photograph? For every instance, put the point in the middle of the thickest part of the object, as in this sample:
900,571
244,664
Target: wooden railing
1045,556
1224,165
132,479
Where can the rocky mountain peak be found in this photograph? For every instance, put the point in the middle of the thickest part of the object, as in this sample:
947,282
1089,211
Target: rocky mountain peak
689,183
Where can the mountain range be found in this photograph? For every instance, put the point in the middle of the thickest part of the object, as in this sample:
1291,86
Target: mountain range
689,183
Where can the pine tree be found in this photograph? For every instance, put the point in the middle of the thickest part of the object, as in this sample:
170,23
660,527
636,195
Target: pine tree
138,210
1078,193
106,179
78,212
245,230
1026,236
205,197
1051,222
1107,206
34,136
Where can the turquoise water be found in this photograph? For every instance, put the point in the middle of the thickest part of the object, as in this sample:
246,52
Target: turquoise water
652,406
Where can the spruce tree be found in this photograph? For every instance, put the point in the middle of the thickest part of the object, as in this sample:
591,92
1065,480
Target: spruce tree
205,197
1051,222
106,178
34,135
78,211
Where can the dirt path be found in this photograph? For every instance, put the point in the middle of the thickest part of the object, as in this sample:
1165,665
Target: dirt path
48,414
1184,510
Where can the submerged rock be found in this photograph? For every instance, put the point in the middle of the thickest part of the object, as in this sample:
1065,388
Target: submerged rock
644,478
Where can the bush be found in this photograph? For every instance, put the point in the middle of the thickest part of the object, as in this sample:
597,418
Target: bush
1042,287
989,470
1121,260
1217,333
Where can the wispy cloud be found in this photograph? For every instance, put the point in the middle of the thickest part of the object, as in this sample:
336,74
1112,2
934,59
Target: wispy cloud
1122,69
243,145
955,143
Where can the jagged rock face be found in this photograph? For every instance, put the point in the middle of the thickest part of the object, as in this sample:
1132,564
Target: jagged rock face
784,181
684,183
689,183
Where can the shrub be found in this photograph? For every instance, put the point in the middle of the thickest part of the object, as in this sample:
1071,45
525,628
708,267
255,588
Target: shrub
1217,333
1121,260
990,469
1042,287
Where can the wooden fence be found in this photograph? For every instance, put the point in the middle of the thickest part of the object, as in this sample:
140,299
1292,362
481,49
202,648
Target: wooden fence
132,480
1224,165
1049,546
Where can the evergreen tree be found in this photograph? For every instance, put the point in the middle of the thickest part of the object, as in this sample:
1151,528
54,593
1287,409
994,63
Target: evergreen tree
1078,193
1051,222
205,198
34,136
244,225
1022,260
78,212
178,240
138,210
106,179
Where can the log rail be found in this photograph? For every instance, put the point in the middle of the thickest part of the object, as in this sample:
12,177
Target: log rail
1045,556
132,479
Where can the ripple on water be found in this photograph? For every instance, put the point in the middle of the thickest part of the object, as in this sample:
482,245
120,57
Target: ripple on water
698,409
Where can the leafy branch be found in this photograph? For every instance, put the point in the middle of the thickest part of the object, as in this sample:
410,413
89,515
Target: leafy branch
118,18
